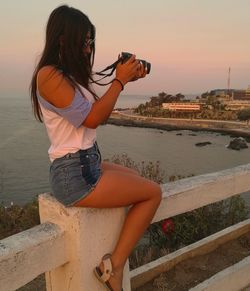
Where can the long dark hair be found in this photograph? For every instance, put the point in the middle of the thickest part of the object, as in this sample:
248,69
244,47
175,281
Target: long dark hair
70,26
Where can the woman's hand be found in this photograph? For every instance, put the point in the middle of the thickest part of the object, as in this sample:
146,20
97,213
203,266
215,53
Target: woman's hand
131,70
141,72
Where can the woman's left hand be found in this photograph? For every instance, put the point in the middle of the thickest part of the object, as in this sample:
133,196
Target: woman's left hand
141,72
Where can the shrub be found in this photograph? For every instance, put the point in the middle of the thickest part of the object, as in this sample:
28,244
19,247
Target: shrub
173,233
17,218
149,170
244,114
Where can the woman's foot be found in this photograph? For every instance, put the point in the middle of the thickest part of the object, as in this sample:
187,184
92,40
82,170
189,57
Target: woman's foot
116,277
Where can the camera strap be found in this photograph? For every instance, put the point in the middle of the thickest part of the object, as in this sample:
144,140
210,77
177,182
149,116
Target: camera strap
111,67
105,75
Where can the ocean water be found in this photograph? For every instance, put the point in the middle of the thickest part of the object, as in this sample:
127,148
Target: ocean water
128,101
24,163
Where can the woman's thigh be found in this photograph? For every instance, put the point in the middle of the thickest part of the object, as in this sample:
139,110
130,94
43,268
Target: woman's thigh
115,167
117,189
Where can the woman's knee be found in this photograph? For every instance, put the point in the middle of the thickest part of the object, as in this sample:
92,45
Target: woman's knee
158,193
155,192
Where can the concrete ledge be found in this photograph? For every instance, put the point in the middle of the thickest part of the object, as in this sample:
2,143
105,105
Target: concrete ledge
148,272
66,247
233,278
90,233
26,255
191,193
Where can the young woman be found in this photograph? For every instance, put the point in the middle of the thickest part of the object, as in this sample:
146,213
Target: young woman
63,98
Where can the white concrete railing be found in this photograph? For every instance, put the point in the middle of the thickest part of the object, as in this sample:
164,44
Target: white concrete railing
70,241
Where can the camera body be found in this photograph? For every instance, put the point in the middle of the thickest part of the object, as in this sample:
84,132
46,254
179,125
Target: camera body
125,56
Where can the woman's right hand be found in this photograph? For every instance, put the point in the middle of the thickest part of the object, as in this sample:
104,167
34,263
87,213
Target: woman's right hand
127,71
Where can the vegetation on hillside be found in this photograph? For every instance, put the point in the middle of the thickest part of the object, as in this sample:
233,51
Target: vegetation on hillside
212,108
16,218
244,114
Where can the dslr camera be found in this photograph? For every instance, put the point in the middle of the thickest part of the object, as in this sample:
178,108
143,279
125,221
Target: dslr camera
125,56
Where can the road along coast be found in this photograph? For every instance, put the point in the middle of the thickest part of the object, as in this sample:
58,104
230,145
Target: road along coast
128,118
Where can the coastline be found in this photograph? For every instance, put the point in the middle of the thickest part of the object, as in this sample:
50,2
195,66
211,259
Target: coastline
128,118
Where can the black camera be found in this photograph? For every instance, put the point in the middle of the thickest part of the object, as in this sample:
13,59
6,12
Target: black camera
125,56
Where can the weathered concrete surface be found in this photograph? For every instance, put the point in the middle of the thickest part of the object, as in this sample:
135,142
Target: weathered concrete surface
234,278
191,193
83,235
148,272
188,194
25,255
90,233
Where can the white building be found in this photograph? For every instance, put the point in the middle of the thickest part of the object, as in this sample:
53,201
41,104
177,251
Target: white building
184,106
237,104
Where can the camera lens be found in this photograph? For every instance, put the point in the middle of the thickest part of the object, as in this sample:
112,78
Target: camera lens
146,65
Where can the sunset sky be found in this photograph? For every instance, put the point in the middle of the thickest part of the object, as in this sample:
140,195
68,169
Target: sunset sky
190,44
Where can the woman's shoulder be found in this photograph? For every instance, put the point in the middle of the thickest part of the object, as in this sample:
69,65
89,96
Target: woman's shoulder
48,74
54,87
47,69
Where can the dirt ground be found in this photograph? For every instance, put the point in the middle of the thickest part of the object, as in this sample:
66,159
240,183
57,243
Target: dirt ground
191,272
186,274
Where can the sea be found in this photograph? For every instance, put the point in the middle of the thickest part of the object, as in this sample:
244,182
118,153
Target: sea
24,163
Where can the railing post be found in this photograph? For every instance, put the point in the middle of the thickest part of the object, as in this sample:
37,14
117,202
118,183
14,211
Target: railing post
90,233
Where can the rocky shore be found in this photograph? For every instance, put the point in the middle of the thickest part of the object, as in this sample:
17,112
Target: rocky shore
236,129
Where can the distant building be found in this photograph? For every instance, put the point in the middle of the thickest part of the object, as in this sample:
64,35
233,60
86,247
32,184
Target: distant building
222,95
184,106
237,105
225,98
248,92
240,95
201,101
219,92
232,94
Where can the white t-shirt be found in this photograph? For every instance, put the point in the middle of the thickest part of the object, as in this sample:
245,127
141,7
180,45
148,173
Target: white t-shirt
64,125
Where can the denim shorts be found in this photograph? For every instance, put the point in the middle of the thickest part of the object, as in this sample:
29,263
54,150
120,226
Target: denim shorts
75,175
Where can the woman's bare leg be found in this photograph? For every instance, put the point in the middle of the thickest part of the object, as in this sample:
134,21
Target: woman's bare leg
115,167
117,189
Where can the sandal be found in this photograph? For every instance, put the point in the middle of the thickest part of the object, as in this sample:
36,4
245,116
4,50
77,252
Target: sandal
107,272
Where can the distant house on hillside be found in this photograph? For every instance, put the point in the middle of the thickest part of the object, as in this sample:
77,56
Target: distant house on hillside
234,94
237,105
182,106
242,94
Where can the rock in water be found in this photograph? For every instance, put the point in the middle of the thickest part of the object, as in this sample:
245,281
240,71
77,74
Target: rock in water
202,144
238,144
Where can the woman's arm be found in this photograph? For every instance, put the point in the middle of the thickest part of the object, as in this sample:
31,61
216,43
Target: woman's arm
101,109
59,92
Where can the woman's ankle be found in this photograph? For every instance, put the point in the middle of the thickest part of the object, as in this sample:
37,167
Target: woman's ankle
117,265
